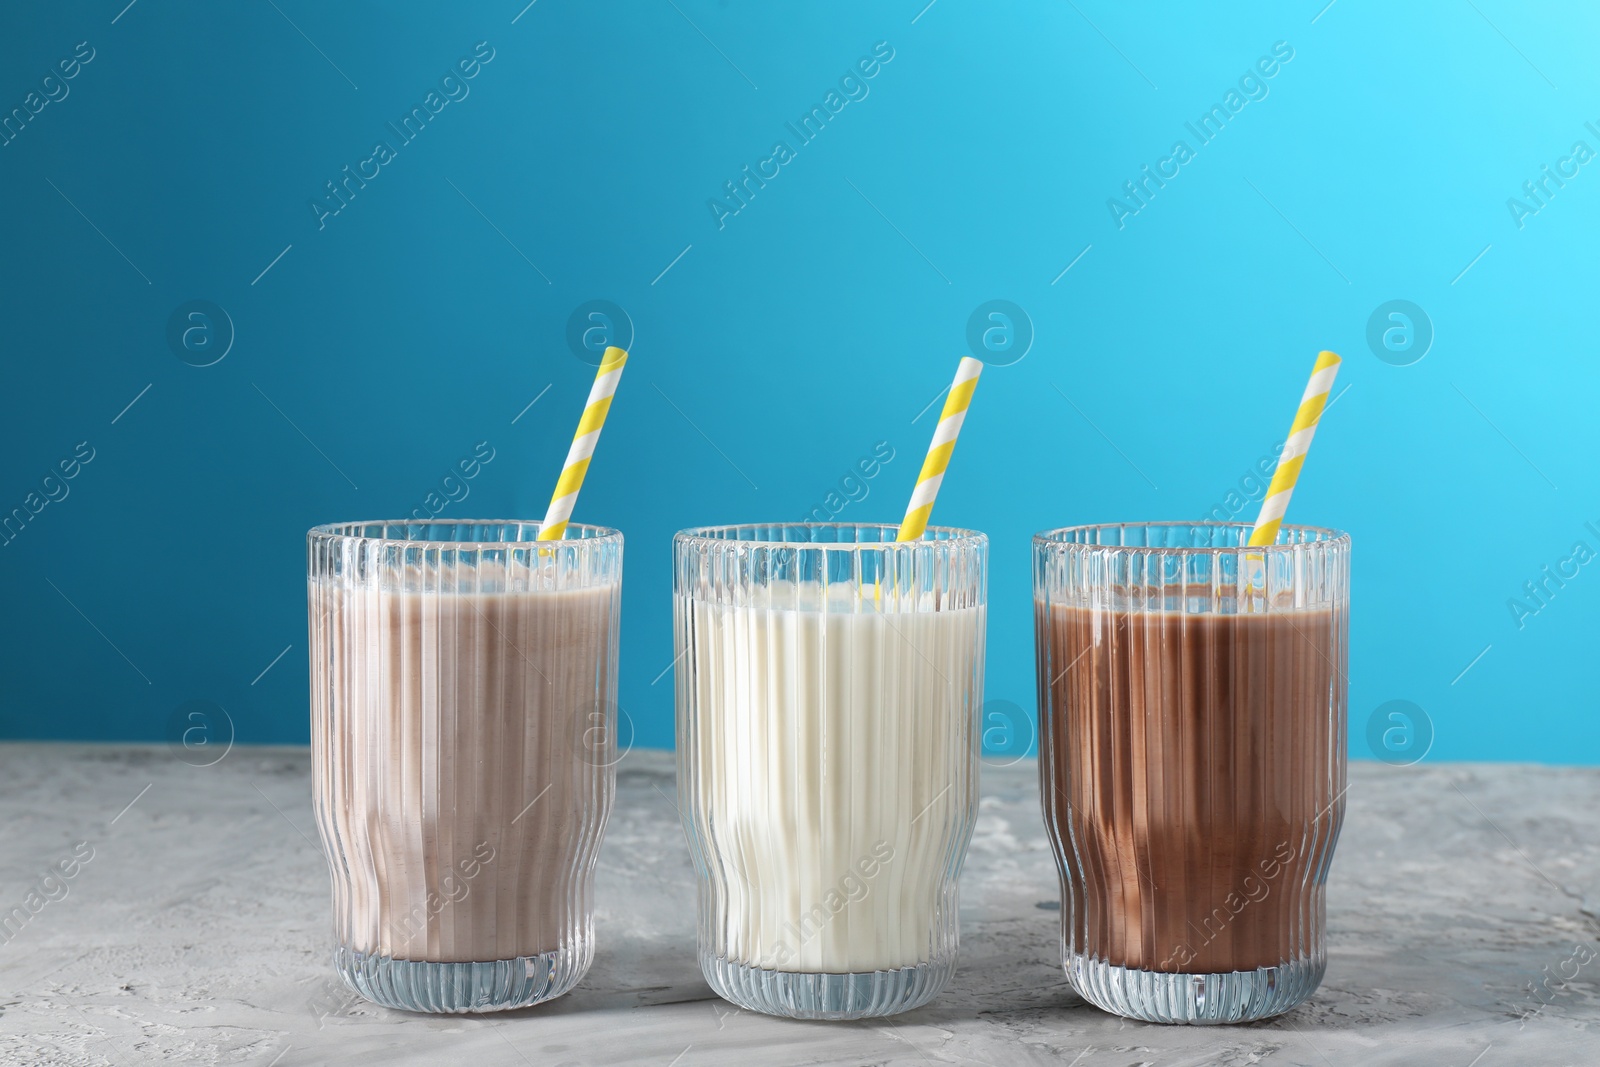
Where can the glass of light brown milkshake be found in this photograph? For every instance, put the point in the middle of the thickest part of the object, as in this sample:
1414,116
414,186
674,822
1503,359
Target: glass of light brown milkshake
463,688
1192,760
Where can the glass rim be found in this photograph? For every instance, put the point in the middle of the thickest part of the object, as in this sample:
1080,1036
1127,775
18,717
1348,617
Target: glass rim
961,537
342,531
1052,538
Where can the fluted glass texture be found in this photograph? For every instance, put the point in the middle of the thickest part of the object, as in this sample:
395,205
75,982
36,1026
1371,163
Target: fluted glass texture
1192,696
829,684
463,696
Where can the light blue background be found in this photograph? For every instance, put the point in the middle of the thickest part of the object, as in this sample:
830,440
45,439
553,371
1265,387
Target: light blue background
820,320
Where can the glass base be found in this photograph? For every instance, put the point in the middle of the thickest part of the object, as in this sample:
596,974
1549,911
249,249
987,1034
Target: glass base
806,995
1201,999
454,988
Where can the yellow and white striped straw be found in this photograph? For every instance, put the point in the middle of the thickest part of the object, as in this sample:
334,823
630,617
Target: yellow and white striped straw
944,443
594,416
1294,450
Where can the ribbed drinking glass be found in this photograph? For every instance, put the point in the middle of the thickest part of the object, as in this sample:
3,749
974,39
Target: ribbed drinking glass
463,695
829,684
1192,760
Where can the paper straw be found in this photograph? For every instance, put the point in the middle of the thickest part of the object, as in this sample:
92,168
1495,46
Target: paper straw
583,442
944,443
1294,450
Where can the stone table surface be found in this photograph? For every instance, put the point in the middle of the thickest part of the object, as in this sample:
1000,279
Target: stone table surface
199,932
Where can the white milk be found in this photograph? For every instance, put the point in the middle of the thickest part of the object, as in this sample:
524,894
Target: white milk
831,757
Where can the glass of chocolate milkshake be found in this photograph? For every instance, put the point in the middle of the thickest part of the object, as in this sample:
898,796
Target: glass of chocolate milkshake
1192,760
463,688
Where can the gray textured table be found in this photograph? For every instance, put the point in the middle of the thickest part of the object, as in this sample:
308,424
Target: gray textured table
198,933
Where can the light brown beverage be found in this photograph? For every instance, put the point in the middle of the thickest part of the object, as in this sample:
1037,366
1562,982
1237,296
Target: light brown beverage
460,747
1191,772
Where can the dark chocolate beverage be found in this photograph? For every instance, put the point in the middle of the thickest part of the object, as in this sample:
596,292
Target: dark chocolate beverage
1192,766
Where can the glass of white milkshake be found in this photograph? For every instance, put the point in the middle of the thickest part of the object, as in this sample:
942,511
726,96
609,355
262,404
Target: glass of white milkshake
463,695
829,688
